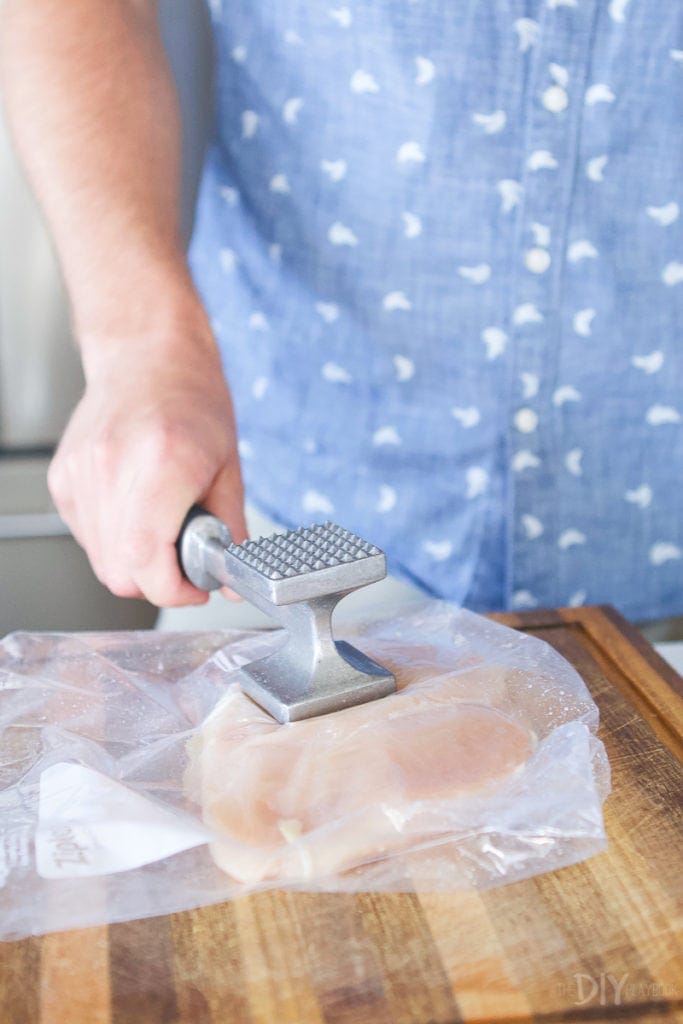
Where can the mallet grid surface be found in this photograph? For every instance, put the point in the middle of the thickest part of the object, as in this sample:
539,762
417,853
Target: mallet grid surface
305,563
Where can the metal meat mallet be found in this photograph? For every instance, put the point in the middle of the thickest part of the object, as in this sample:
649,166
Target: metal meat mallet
298,578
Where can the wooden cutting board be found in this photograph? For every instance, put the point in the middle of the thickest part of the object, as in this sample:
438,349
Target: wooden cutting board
599,941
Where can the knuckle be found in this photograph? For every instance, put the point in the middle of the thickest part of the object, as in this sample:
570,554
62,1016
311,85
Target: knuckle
104,452
165,438
114,578
71,462
162,584
120,587
173,443
57,481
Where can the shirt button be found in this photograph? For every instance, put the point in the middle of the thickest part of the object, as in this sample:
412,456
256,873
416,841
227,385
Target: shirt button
526,420
537,260
555,99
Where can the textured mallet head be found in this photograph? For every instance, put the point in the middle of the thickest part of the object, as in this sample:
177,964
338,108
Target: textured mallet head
306,563
297,578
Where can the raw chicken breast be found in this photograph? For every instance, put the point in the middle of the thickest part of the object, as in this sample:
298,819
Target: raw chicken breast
319,796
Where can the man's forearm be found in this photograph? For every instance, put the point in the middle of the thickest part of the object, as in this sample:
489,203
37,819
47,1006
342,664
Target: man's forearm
93,107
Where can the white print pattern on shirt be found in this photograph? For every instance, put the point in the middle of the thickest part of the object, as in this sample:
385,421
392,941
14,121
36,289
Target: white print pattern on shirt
572,461
363,81
230,195
467,417
291,110
566,393
533,527
663,551
640,496
410,153
315,503
524,599
657,415
491,123
342,15
339,234
477,481
541,233
396,300
258,322
570,538
581,250
478,274
664,215
387,499
672,273
250,123
404,367
527,33
228,258
336,374
530,384
495,340
595,167
385,435
334,169
542,160
510,192
425,71
527,313
617,10
582,322
438,550
412,225
651,363
329,311
524,459
598,93
279,184
559,74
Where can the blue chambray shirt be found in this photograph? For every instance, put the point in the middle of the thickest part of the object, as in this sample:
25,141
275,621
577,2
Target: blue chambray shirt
440,242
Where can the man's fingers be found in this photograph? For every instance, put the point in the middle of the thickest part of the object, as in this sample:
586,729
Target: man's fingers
225,499
164,585
155,509
70,487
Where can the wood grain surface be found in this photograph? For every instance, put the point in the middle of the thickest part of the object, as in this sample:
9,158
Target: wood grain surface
598,941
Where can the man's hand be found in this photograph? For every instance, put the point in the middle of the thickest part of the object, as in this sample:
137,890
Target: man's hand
92,101
153,434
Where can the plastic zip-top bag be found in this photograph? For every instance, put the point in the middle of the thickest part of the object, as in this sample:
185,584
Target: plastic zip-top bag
137,779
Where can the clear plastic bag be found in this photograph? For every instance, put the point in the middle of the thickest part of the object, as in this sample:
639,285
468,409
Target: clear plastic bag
136,779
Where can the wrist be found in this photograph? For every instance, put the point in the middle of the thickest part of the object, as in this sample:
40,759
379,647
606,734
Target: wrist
162,318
